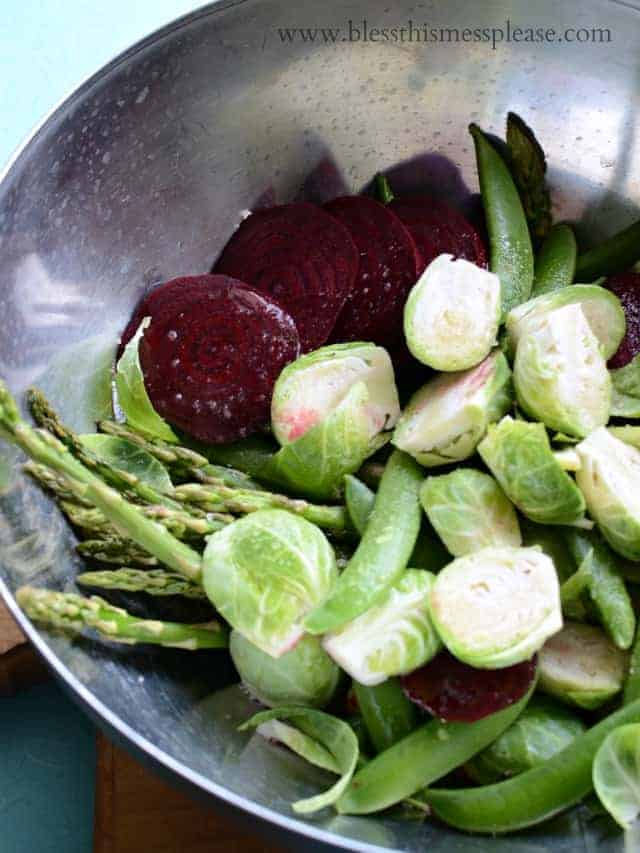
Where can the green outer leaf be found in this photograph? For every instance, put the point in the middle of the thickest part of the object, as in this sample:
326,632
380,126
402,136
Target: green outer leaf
632,684
555,264
528,166
616,774
387,713
383,192
520,457
624,406
359,500
300,743
626,380
534,796
618,253
629,434
132,394
128,457
425,755
336,736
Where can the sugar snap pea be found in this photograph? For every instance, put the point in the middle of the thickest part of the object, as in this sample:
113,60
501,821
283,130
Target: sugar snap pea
535,795
510,243
383,551
387,713
555,265
631,691
359,500
383,192
616,254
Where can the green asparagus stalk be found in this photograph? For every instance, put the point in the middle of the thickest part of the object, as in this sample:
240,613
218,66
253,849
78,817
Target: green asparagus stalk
71,612
115,551
54,483
153,582
128,518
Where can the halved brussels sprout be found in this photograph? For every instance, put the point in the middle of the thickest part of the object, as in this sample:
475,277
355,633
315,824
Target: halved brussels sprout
520,457
309,389
452,315
496,607
627,433
394,637
600,306
469,510
581,666
609,478
306,675
560,375
625,400
265,572
448,416
616,778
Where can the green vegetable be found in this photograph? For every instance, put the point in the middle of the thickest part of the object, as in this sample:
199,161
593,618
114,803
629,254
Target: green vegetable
429,552
359,500
154,582
452,314
626,380
519,456
618,253
393,637
555,264
553,542
447,417
542,729
300,743
628,434
632,683
469,511
425,755
133,399
124,454
497,606
608,478
560,375
616,775
528,166
624,405
581,666
336,736
510,244
383,551
305,675
387,713
53,482
115,550
254,456
534,796
383,192
265,572
70,612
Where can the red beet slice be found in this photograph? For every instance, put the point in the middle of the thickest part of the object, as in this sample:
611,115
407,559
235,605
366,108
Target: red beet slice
389,265
626,287
455,692
439,228
212,353
302,257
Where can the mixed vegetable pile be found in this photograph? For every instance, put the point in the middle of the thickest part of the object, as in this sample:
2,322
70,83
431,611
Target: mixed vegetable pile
430,583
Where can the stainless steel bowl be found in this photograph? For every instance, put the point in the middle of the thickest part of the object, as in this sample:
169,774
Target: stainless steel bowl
142,174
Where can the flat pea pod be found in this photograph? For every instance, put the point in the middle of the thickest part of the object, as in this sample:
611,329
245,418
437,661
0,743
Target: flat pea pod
387,713
533,796
359,500
631,691
616,254
555,265
383,192
424,756
511,253
382,553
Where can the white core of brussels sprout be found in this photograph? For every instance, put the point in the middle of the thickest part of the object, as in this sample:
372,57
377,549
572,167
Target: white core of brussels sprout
452,315
312,387
393,638
446,419
497,607
560,374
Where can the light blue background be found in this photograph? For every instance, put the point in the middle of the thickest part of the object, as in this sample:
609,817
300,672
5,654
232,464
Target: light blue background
47,747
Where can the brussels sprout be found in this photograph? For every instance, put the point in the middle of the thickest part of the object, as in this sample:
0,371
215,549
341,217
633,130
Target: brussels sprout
265,572
306,675
496,607
452,315
581,666
616,776
469,510
629,434
553,542
560,375
392,638
446,419
600,306
625,400
542,729
309,389
519,456
609,478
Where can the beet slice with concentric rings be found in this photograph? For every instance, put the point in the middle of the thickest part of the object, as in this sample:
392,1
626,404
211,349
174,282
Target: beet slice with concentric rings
212,353
302,257
389,265
438,228
626,287
455,692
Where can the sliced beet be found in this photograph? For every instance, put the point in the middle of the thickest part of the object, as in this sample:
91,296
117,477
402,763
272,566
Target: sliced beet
438,228
302,257
626,287
212,353
389,265
455,692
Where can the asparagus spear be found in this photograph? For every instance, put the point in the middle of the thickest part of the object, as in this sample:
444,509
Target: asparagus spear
115,551
71,612
128,518
153,582
54,483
